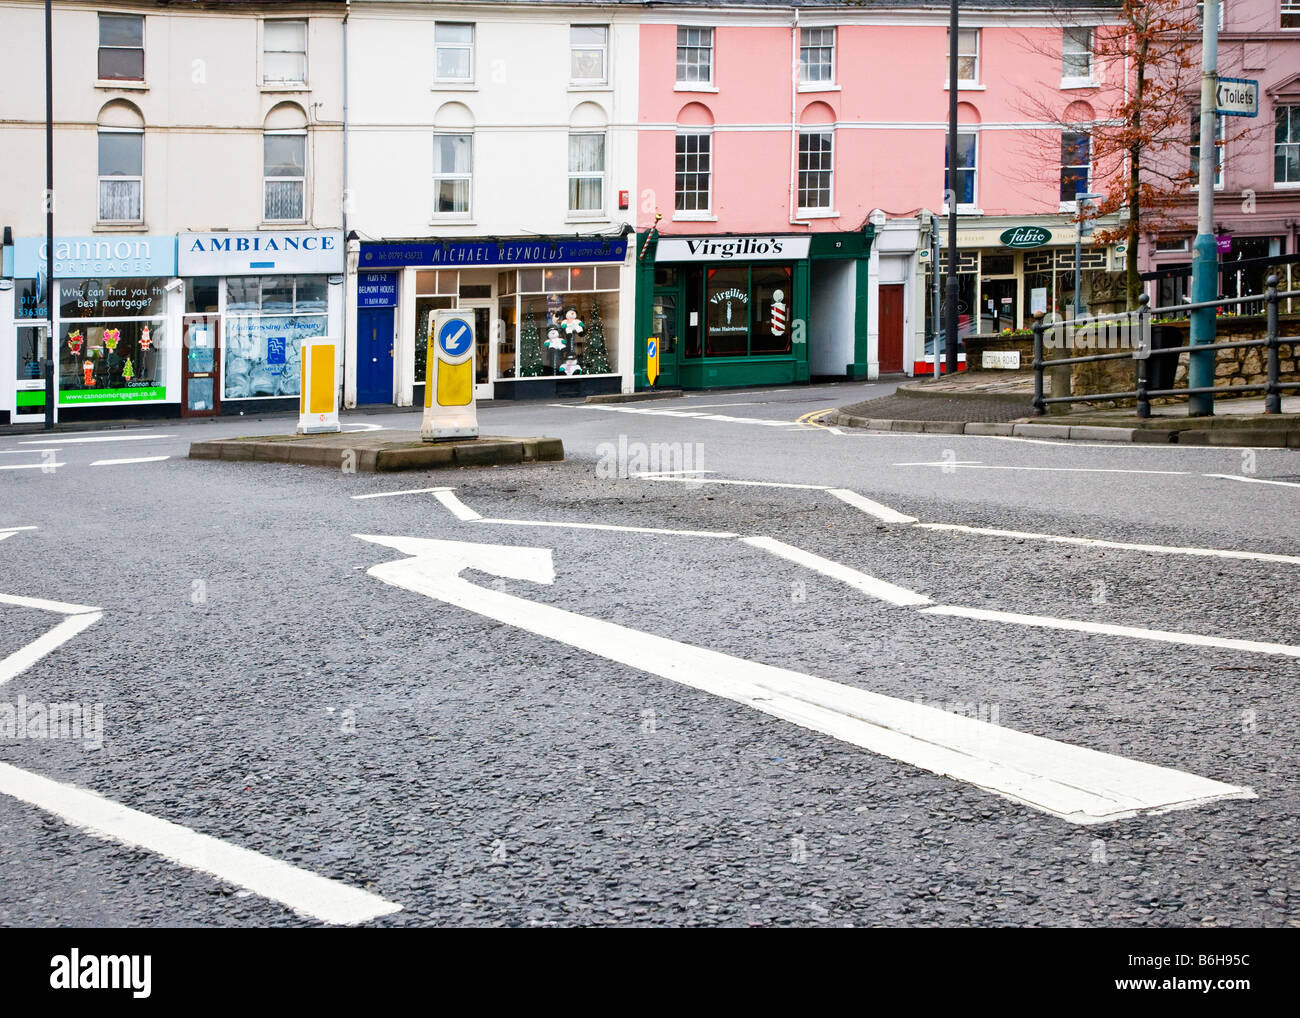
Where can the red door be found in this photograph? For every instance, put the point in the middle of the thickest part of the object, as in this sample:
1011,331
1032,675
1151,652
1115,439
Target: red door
891,329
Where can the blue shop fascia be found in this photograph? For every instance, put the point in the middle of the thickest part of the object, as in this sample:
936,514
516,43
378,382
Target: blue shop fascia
552,315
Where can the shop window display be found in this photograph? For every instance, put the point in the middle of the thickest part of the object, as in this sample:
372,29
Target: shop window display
111,340
267,319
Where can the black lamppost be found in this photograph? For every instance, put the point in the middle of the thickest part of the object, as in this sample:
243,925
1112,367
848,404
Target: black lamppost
49,220
950,313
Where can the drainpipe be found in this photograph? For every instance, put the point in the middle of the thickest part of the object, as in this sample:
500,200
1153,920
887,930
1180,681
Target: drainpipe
794,124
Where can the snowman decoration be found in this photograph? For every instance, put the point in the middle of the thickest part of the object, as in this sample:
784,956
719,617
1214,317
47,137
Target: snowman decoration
573,327
555,343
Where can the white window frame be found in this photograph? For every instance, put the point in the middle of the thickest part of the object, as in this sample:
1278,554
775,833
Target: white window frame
468,177
973,206
1077,80
815,211
973,82
705,213
468,47
1287,8
299,132
99,180
286,83
813,83
592,213
692,84
1294,106
604,57
127,82
1220,135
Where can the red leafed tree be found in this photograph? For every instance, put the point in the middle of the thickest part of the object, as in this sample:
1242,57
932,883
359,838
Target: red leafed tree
1146,64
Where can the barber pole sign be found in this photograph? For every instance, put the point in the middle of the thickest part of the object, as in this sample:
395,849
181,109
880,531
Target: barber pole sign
778,313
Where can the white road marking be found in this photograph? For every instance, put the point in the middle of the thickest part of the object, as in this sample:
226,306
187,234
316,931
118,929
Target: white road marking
354,427
692,414
869,585
954,464
457,508
1106,629
673,473
306,893
1255,480
719,480
611,526
880,512
407,491
23,452
33,466
137,459
714,406
20,660
10,531
61,607
95,438
1078,785
1091,542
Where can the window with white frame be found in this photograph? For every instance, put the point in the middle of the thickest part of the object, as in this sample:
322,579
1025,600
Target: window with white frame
453,44
589,54
816,170
1076,54
1290,14
1194,151
121,176
964,185
586,173
694,178
284,176
1076,164
968,55
1286,145
284,52
817,56
694,56
453,174
121,47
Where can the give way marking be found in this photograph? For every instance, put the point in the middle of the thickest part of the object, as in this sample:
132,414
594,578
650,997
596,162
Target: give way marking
1082,786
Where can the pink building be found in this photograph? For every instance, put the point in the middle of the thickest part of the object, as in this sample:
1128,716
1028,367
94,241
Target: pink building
1257,188
797,149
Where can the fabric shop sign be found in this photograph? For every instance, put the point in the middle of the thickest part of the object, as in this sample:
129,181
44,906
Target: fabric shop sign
296,252
532,251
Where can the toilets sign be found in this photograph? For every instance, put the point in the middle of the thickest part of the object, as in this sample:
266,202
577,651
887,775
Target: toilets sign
1237,97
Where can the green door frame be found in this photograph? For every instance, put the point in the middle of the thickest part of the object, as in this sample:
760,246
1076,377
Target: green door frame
669,375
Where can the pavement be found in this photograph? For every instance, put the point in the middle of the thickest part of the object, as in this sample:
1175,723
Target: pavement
434,734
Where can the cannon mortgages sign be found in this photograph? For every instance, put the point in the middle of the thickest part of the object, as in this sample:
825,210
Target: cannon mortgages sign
714,249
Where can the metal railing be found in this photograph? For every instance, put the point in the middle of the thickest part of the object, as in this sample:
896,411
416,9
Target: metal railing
1138,324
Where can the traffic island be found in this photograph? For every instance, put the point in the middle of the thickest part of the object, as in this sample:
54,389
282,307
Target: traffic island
380,451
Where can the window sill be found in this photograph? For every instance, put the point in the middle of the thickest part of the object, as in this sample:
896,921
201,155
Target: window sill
279,224
284,86
964,210
1071,83
116,227
967,86
594,86
598,219
134,86
454,86
694,217
1278,185
694,86
453,220
816,214
815,87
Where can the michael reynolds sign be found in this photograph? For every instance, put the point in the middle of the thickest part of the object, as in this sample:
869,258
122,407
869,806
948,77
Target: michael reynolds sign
299,252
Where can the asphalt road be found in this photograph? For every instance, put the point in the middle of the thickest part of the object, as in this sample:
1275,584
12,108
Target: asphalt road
261,687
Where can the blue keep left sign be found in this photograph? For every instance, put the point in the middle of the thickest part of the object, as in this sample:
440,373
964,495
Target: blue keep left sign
455,337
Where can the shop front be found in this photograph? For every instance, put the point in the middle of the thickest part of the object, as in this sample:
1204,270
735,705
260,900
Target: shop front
114,329
1008,270
731,311
250,301
552,316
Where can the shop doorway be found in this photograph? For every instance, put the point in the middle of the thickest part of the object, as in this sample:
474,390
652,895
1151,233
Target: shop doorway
666,327
375,355
29,397
200,395
997,305
890,352
484,341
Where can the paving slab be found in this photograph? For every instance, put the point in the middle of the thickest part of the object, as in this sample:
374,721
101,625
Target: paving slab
380,451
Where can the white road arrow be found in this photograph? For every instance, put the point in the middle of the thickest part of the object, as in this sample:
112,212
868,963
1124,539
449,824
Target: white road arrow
1080,785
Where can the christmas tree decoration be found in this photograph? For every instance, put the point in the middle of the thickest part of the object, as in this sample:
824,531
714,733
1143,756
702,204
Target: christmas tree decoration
530,349
128,372
595,359
111,337
75,342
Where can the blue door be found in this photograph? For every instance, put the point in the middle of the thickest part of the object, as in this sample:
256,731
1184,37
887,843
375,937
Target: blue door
374,355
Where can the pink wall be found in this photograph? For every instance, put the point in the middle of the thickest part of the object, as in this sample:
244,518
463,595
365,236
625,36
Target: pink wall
892,90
